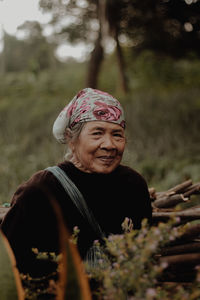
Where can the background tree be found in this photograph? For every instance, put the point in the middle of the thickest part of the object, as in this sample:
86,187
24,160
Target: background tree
41,52
32,53
78,21
87,21
12,60
168,27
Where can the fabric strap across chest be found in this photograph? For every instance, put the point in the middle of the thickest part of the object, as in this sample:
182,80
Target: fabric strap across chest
77,198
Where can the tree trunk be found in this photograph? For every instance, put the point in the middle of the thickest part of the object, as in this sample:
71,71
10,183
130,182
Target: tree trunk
97,54
121,64
95,64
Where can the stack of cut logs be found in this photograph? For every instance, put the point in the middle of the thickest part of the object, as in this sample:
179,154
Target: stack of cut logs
182,255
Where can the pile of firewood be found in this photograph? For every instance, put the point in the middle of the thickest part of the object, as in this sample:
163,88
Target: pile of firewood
182,255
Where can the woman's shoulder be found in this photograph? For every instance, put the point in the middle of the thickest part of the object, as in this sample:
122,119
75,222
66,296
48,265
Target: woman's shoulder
33,186
40,179
35,179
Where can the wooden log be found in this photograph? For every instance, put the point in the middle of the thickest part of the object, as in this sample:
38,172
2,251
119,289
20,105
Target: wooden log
152,193
195,185
187,276
173,285
195,189
183,260
187,214
181,249
170,201
180,187
191,233
176,189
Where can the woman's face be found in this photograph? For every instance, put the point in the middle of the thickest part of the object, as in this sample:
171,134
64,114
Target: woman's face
99,147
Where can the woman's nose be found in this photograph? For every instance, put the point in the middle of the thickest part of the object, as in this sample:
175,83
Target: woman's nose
108,142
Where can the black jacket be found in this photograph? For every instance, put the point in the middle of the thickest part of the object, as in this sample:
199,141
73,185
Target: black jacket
31,221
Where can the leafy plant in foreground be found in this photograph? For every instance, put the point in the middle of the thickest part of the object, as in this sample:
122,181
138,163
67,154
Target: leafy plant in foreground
10,283
68,282
133,270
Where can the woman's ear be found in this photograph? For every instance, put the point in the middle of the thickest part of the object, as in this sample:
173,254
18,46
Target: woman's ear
68,138
68,134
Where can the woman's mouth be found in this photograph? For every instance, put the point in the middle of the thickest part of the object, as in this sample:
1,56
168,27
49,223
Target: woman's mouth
106,159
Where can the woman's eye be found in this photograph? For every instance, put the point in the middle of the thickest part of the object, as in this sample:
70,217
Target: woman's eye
97,133
118,135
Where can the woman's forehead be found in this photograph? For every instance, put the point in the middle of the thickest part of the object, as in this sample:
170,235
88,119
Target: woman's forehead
102,125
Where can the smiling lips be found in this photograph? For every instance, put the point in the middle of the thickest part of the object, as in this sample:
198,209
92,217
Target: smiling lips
106,159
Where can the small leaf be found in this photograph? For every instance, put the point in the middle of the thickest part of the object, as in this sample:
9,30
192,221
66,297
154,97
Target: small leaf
73,282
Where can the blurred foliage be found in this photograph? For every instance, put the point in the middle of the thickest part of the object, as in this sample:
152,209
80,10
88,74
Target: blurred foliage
165,27
128,267
133,270
28,107
33,53
162,112
170,27
72,21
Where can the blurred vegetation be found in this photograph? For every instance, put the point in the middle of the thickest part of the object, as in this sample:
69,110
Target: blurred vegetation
155,61
162,110
169,28
33,53
133,270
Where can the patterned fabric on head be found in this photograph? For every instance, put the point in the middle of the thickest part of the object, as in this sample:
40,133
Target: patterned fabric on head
88,105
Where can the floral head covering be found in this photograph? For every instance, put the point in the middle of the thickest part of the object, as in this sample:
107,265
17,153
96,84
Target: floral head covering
88,105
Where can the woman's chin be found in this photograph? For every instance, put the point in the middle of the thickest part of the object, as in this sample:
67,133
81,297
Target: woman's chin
104,168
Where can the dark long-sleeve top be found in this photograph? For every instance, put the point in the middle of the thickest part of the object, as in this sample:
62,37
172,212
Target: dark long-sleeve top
31,222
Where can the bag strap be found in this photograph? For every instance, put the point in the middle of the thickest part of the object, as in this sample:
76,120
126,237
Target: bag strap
77,198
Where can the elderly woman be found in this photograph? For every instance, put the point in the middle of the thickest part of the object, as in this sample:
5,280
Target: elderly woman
93,126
